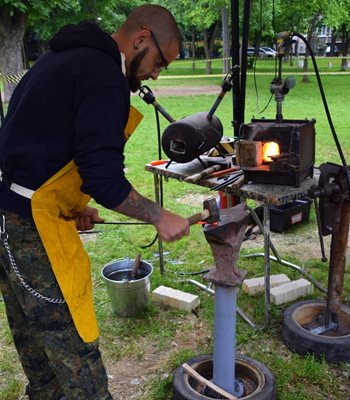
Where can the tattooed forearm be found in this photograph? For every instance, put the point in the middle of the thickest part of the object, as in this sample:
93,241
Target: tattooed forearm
138,207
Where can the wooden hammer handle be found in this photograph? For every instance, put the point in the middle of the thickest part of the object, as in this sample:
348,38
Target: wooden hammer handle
205,382
202,174
199,217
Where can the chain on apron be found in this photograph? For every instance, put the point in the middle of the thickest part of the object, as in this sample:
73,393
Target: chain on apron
4,237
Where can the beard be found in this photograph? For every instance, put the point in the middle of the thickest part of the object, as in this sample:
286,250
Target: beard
135,82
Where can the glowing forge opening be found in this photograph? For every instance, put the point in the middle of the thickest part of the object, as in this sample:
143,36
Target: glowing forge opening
270,149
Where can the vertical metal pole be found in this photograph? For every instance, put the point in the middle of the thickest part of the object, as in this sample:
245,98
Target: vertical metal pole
244,61
224,357
337,264
235,61
267,245
157,183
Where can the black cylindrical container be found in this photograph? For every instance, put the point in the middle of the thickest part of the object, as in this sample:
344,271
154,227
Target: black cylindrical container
190,137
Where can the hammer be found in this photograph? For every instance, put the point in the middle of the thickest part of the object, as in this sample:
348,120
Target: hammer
210,213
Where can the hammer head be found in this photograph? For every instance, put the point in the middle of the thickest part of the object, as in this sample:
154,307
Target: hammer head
211,205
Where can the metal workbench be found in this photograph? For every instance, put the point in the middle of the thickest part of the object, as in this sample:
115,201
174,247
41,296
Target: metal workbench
267,194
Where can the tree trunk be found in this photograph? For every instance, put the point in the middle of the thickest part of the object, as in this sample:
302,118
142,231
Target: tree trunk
208,45
309,37
333,42
225,41
193,48
207,52
345,49
12,29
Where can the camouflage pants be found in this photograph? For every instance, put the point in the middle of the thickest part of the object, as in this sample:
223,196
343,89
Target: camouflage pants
54,358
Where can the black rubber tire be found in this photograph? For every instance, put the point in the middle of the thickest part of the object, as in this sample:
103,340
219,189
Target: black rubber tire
259,383
333,346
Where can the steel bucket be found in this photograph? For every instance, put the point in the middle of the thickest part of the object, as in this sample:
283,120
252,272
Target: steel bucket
129,296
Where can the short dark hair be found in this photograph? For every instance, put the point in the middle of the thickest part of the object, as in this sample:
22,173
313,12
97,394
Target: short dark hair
157,18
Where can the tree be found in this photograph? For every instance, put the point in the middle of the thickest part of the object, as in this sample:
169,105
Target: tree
46,17
338,17
302,17
203,16
13,23
261,29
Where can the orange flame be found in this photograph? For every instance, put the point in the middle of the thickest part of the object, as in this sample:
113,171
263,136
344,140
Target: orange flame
270,149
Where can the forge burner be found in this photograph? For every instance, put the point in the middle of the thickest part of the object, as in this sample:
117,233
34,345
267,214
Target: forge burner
296,158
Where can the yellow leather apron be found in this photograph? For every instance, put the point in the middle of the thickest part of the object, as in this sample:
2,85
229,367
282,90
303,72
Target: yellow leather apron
52,208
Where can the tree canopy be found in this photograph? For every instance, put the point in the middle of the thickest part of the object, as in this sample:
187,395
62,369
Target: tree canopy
200,17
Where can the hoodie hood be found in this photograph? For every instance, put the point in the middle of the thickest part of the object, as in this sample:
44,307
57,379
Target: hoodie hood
85,34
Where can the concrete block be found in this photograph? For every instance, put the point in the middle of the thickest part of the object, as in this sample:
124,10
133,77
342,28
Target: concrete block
253,286
290,291
175,298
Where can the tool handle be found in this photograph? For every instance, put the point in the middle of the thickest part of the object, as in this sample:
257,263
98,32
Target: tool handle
158,162
205,382
224,172
136,265
193,219
202,174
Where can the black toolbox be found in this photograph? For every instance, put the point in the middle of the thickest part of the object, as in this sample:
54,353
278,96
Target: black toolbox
283,217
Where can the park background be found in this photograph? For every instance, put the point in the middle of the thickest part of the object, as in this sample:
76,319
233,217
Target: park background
141,354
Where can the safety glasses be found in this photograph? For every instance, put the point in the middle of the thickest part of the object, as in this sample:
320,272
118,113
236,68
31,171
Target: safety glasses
164,61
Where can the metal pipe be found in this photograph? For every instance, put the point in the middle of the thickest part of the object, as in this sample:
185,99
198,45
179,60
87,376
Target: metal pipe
157,184
236,98
267,262
225,337
337,264
244,60
148,97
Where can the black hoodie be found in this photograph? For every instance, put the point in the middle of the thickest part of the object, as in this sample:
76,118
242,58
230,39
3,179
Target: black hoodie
73,103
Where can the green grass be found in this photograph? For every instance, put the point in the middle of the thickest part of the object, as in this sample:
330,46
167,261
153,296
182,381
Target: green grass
173,336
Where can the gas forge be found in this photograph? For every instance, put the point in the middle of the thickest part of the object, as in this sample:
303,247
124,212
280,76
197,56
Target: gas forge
277,152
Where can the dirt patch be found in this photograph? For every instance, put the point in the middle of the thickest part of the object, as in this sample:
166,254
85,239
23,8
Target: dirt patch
186,90
128,376
302,246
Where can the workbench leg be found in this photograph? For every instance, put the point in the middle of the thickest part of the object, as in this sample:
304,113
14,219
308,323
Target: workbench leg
267,245
157,190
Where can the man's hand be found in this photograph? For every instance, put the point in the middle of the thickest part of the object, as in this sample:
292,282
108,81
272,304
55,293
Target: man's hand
85,219
171,226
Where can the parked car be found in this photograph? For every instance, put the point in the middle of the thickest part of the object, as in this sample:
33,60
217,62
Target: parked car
270,51
262,53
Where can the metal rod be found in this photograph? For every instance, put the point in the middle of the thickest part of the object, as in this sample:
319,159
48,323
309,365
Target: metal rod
148,97
216,105
236,94
244,61
318,219
160,242
277,257
267,244
165,114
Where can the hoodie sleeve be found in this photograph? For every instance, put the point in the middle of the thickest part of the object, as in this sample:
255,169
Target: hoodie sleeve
100,120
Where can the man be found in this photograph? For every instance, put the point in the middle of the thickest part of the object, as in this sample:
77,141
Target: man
61,144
